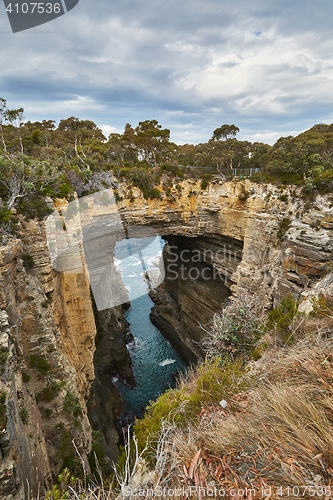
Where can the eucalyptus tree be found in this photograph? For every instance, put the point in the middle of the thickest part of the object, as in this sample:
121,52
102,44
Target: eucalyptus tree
222,145
308,157
151,141
21,176
80,134
15,117
225,132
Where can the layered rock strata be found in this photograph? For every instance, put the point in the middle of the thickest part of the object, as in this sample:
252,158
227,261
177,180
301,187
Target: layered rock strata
43,408
48,380
257,238
193,289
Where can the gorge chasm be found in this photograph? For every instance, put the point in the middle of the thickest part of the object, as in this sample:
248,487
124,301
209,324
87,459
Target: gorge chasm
58,350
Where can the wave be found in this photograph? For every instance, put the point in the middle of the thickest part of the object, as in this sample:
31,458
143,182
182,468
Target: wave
167,362
154,261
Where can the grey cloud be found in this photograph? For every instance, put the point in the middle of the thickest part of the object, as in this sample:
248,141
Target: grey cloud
192,65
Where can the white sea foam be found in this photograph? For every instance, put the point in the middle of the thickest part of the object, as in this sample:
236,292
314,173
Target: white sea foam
154,261
167,362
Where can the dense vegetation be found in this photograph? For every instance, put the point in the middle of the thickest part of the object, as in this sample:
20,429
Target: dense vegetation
40,159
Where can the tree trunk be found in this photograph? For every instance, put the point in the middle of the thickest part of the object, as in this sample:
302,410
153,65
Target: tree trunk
77,154
3,139
21,143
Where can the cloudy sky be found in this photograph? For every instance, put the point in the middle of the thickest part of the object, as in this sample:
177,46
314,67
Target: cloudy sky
264,65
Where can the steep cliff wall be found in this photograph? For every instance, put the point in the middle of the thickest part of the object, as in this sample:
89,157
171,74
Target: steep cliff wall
43,408
258,238
192,290
56,357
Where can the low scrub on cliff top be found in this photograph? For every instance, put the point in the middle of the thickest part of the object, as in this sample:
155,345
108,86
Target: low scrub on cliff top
284,434
203,386
235,330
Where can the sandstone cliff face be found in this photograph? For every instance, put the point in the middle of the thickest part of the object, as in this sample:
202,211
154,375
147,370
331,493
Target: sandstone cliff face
256,238
191,292
250,237
43,406
56,360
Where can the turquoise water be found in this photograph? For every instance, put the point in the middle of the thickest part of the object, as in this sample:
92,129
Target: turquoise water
155,362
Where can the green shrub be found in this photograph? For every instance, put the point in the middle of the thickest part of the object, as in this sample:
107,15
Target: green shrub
64,189
259,350
47,412
206,385
34,207
173,170
142,177
5,215
24,415
96,450
60,491
205,180
26,377
278,178
283,197
74,465
28,261
40,364
117,197
67,454
284,225
281,317
151,193
50,391
71,404
235,330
